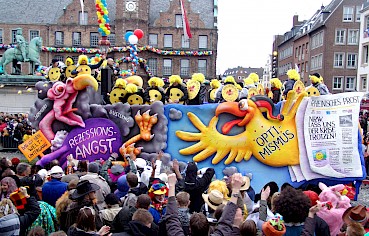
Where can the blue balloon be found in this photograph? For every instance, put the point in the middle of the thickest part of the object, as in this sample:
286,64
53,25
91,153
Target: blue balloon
126,36
100,30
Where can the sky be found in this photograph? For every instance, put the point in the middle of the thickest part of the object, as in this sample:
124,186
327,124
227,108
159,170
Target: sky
246,28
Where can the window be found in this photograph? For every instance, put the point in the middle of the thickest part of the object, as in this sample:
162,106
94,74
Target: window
111,38
33,34
316,62
338,60
1,36
348,13
340,36
153,40
351,60
59,58
202,66
179,21
83,20
59,38
14,33
364,82
353,36
317,40
76,38
296,52
185,67
365,54
94,39
153,65
203,41
337,83
168,40
185,42
350,83
167,67
358,8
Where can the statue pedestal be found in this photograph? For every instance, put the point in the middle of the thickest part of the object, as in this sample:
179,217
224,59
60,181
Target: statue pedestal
16,80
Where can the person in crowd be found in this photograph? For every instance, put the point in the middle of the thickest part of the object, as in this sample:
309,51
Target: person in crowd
140,225
86,225
135,189
112,209
63,202
293,76
157,194
196,186
122,187
183,201
8,186
121,220
26,179
93,177
83,195
212,201
54,189
12,223
36,231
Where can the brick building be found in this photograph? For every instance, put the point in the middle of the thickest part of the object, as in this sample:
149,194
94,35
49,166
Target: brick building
327,44
61,25
363,69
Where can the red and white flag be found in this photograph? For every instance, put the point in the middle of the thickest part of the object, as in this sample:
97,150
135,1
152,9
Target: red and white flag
186,25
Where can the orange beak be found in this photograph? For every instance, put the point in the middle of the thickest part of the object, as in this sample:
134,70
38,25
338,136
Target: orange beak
233,109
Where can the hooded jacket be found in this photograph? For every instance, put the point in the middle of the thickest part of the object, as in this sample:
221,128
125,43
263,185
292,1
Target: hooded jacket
196,186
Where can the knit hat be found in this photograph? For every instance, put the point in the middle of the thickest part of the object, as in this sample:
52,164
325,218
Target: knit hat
15,161
313,196
93,167
56,172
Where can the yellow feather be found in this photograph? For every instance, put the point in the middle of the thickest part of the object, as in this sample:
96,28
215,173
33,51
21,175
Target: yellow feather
175,78
198,77
293,74
215,83
254,77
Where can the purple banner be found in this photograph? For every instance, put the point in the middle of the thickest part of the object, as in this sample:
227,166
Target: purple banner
99,139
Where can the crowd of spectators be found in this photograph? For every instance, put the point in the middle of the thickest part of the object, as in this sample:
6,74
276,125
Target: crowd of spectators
14,129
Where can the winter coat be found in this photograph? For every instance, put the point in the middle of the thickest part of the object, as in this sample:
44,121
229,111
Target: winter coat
136,228
74,231
196,186
322,88
288,86
276,95
108,215
53,190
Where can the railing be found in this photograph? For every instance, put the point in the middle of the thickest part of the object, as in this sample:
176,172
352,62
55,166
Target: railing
9,143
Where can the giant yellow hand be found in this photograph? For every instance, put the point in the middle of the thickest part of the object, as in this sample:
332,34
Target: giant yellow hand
210,141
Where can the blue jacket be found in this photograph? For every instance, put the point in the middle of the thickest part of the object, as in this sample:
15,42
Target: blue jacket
156,214
53,190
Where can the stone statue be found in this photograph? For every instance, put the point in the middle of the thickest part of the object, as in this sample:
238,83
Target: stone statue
22,52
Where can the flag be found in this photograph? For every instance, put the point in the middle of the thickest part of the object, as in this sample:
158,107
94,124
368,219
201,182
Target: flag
186,25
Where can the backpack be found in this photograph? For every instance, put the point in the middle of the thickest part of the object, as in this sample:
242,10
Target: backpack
129,200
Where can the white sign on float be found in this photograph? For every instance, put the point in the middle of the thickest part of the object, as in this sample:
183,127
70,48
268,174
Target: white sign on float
328,137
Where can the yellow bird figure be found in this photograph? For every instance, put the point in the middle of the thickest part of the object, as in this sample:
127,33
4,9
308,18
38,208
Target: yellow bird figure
263,137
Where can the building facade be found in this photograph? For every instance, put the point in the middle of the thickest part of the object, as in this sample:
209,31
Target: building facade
327,44
68,32
363,68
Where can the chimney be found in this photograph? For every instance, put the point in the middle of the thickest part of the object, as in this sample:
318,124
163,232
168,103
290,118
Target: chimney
295,20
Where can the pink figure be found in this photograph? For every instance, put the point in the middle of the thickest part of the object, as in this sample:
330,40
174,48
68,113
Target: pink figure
333,206
64,95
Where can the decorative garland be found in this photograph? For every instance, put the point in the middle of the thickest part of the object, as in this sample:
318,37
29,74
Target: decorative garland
125,49
103,17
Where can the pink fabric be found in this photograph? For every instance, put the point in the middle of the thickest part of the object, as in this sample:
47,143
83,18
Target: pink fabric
114,178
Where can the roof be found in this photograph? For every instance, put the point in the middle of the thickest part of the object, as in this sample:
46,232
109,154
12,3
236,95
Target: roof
40,11
204,7
324,14
241,71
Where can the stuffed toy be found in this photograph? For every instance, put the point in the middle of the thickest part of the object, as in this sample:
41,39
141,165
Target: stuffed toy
333,205
155,91
70,67
196,90
134,95
118,92
317,81
177,91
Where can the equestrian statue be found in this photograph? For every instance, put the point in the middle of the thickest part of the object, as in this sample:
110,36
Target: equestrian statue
22,52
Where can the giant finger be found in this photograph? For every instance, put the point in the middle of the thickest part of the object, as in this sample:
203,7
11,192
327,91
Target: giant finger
231,157
193,149
188,136
204,154
196,122
219,156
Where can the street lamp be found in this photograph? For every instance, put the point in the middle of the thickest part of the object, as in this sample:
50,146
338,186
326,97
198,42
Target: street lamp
104,45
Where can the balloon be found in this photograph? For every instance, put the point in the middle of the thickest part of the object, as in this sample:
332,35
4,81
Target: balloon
133,39
139,33
126,36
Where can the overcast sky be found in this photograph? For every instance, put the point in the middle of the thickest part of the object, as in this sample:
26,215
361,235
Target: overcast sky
246,28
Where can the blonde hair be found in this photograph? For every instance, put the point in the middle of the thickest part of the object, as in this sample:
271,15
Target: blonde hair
355,229
183,199
274,197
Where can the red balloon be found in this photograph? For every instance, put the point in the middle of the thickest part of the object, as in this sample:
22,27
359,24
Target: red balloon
106,25
99,21
97,5
139,33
